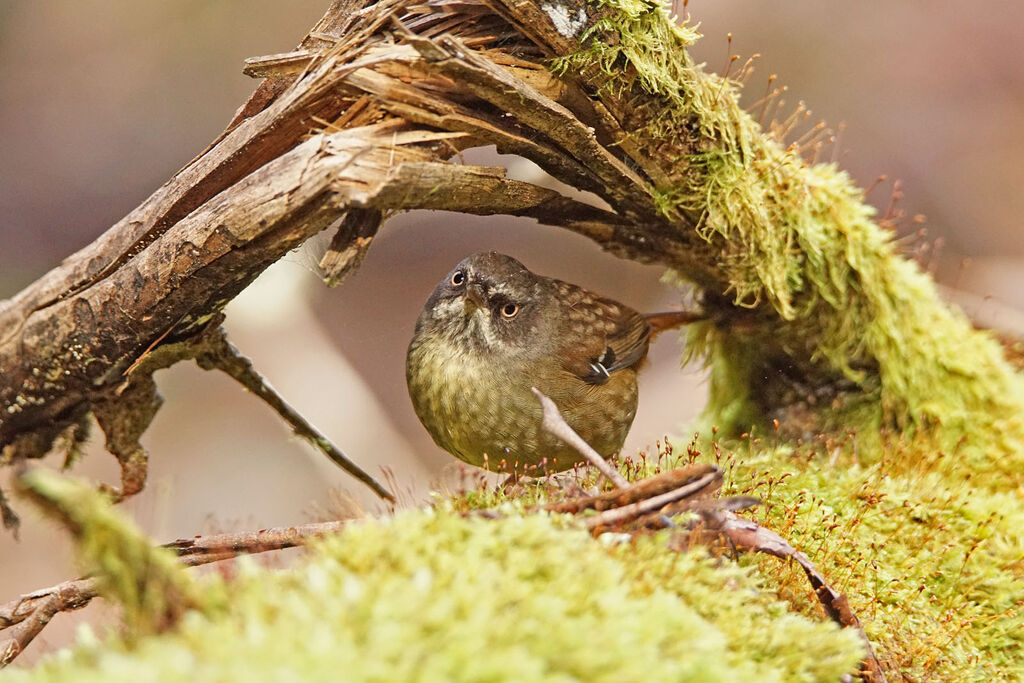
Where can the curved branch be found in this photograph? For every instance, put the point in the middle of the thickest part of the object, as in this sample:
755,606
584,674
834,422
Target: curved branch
693,183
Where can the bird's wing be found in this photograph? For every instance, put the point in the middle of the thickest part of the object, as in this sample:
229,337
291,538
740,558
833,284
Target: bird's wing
612,337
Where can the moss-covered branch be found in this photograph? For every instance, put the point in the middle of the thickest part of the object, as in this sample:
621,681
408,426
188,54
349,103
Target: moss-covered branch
843,334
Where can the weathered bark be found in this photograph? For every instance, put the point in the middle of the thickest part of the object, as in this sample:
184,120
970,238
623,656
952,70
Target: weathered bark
73,342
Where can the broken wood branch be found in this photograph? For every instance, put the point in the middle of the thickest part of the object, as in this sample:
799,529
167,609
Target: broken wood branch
250,542
28,615
174,288
74,342
631,493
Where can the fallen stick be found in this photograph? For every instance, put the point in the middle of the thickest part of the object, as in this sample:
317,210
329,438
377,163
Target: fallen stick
29,614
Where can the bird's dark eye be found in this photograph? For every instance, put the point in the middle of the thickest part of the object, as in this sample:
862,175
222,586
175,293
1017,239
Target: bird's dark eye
458,278
509,310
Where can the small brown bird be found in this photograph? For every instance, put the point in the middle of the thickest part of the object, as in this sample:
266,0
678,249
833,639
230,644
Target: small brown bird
492,330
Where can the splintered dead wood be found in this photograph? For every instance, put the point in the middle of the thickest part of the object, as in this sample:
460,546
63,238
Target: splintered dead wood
383,165
388,79
357,123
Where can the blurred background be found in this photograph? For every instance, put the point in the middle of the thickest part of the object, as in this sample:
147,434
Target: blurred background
101,101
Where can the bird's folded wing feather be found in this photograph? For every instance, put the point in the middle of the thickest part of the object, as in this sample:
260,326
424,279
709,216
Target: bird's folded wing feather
617,336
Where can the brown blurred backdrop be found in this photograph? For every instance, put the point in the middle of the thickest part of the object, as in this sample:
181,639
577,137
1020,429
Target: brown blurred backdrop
101,101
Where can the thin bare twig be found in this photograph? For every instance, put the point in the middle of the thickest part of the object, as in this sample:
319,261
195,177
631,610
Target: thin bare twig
556,424
632,511
221,354
252,541
638,491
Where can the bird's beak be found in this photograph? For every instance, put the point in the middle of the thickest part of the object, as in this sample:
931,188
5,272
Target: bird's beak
475,297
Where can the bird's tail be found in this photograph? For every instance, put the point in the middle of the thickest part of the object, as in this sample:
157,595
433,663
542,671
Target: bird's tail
661,322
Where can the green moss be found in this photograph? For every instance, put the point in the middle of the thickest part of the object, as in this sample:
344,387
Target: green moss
434,596
149,584
797,243
933,566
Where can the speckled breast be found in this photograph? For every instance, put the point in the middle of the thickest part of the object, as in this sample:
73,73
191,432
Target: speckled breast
486,415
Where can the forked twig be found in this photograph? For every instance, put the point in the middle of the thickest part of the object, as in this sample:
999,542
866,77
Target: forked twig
32,612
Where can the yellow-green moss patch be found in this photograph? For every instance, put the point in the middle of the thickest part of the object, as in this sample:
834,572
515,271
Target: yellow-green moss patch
435,597
933,565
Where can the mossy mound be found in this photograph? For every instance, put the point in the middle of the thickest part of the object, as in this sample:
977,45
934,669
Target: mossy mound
932,564
432,595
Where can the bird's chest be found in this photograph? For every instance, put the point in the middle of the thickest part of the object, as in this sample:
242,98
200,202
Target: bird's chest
467,397
480,407
456,375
